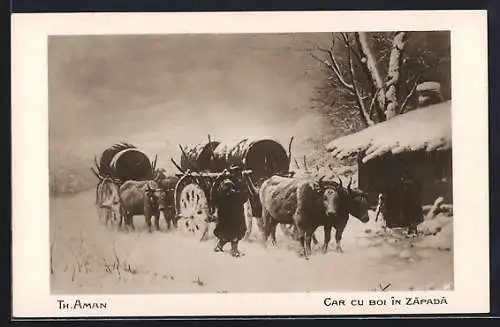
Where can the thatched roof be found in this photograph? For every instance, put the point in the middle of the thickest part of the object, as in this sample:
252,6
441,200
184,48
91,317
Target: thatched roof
199,157
427,128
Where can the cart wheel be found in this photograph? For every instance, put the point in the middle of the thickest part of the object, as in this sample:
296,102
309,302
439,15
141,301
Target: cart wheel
193,210
101,214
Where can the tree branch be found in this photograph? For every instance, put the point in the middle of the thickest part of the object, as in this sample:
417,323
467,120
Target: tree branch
364,115
332,57
370,68
370,61
337,72
391,92
372,103
402,109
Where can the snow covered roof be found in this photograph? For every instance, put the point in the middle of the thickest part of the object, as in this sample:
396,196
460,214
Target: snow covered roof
426,128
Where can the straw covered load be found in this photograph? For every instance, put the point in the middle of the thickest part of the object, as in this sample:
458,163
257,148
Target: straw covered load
427,128
199,157
264,157
125,162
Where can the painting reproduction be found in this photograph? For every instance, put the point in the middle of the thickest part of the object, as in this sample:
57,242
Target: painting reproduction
187,161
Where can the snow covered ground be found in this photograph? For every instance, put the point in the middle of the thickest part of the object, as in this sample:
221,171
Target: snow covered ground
88,257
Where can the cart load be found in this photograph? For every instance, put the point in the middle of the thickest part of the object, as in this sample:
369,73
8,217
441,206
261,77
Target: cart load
124,162
263,157
201,157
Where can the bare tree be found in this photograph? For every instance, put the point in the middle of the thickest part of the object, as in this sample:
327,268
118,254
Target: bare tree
376,74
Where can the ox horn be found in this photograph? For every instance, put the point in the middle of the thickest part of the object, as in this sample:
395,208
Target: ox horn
153,164
97,170
305,164
96,174
340,181
97,166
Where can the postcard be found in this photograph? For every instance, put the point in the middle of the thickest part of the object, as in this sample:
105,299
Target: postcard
250,164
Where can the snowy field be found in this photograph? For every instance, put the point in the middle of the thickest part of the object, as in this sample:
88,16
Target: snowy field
88,257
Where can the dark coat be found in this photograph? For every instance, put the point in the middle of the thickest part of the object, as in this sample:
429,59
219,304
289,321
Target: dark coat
403,203
229,198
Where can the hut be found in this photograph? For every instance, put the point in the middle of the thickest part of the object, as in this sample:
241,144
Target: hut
417,143
125,162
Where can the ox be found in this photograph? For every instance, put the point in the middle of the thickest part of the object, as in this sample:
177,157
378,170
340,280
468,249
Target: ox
167,184
253,208
107,195
308,203
228,195
142,198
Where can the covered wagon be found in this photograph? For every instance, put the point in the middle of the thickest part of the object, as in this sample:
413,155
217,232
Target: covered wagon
119,163
125,162
203,163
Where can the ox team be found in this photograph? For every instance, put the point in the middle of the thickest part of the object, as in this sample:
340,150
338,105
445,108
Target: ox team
305,202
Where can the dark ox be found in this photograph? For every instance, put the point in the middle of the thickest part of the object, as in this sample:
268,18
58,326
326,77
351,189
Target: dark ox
167,183
309,203
142,198
228,195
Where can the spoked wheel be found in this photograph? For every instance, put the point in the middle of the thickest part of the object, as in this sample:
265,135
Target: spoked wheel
108,218
102,213
193,210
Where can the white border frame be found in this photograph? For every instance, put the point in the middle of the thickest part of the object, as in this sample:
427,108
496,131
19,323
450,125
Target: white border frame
30,223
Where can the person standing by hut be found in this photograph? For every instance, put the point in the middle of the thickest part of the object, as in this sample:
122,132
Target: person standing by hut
411,201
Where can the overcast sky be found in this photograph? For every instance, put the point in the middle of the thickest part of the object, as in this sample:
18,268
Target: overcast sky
117,86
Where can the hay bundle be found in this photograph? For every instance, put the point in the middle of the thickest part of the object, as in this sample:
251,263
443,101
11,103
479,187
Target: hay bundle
125,162
198,157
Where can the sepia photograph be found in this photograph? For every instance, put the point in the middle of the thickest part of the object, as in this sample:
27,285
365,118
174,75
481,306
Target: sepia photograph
222,162
252,163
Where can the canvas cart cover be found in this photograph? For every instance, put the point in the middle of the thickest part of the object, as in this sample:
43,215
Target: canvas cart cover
125,162
264,157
